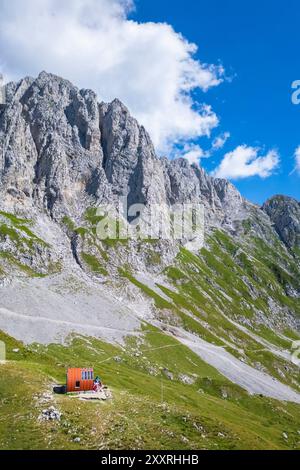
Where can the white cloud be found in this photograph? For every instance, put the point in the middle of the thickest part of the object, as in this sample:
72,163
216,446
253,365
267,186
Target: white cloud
245,161
297,158
193,153
150,67
220,141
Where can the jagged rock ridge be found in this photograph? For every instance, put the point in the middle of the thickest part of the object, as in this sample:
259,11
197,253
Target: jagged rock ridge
62,151
284,213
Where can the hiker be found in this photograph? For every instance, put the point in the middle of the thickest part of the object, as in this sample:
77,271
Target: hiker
97,384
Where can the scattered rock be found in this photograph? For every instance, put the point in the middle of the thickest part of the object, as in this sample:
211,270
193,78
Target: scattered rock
152,371
50,414
168,374
186,379
199,427
224,394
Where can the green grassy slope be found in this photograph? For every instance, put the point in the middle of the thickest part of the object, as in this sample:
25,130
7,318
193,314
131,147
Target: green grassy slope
227,282
212,293
148,409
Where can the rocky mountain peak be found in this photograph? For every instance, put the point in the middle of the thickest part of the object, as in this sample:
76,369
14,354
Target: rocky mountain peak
62,151
284,213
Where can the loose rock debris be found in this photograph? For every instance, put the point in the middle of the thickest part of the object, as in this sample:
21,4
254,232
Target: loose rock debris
50,414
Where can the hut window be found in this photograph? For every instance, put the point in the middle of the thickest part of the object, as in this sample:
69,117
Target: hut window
77,385
82,375
92,375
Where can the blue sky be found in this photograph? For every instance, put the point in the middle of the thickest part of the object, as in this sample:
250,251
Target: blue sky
258,43
247,59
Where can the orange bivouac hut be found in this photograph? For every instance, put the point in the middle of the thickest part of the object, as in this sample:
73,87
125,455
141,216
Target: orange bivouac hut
80,380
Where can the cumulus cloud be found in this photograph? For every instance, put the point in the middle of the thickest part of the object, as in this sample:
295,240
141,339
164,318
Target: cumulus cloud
149,66
297,158
220,141
193,153
245,161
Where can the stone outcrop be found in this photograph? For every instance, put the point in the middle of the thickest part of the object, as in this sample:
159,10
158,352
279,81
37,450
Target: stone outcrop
284,213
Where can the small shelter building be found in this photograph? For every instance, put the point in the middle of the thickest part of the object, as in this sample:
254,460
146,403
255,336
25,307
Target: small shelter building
80,380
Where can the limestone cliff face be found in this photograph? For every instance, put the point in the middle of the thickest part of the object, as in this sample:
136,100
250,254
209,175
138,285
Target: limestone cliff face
284,213
50,139
61,152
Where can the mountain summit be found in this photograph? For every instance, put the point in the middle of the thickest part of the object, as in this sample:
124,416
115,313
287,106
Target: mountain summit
63,151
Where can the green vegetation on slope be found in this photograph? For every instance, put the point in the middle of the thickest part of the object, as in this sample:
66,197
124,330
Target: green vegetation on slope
208,294
20,242
223,285
148,410
94,264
